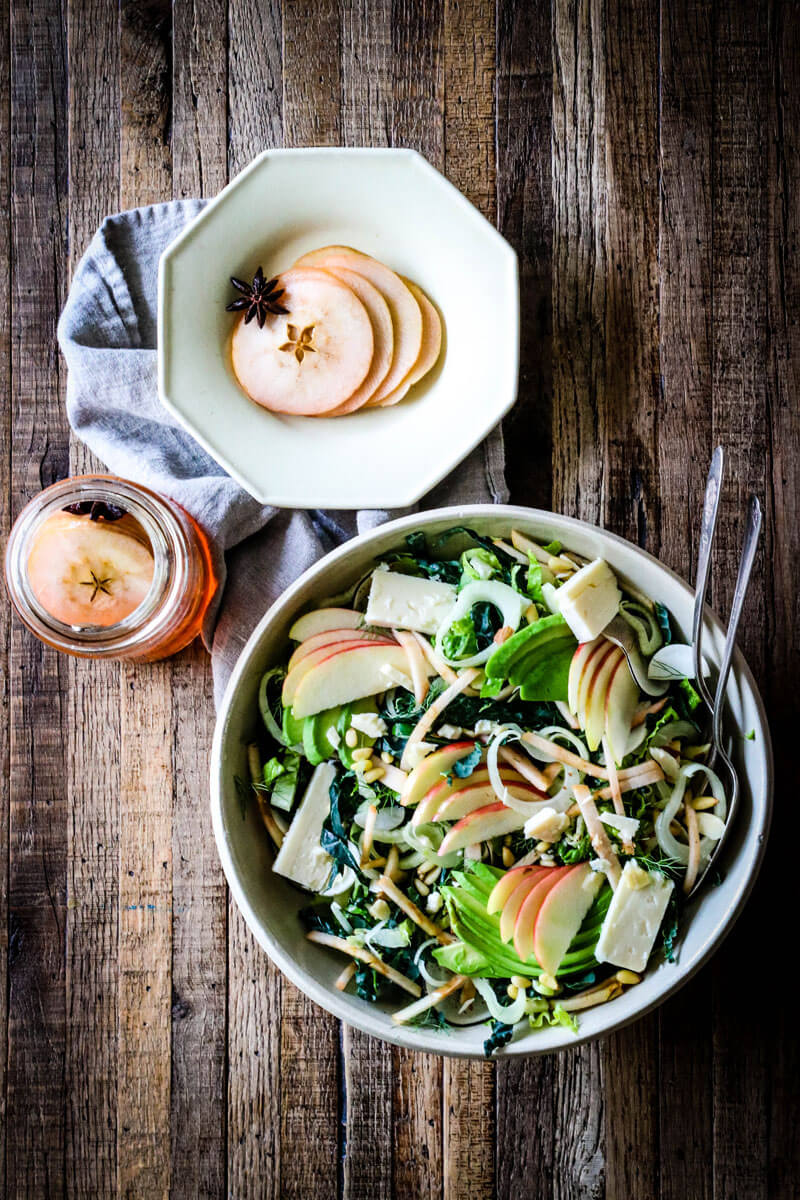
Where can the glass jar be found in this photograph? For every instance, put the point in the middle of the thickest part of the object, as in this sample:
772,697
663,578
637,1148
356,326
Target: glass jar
171,612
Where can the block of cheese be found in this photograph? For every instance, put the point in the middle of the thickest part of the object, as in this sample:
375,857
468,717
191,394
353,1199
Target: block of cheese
589,600
634,917
301,858
408,602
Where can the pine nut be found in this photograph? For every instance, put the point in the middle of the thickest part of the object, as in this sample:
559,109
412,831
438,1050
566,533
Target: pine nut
351,738
362,753
703,802
512,991
508,857
629,977
422,888
387,757
520,981
541,847
374,774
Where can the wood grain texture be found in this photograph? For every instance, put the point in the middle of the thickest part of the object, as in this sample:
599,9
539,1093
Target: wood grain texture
37,824
367,1161
467,1130
199,97
684,450
417,1126
739,421
94,760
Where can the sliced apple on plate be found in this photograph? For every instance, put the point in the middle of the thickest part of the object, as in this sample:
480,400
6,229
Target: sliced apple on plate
312,359
562,913
322,620
432,770
526,918
493,820
350,674
429,350
383,338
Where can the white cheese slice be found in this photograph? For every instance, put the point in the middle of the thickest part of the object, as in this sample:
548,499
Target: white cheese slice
589,600
301,858
547,825
634,917
627,826
407,602
370,724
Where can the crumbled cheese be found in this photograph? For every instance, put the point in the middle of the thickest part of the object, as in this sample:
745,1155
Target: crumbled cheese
408,601
450,731
484,726
417,752
434,902
370,724
626,826
333,736
546,824
600,865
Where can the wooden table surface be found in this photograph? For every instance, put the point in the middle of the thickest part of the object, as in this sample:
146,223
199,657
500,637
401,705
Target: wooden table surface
644,160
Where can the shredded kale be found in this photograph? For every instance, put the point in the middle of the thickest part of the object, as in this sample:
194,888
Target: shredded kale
575,852
345,798
465,766
501,1035
669,929
662,616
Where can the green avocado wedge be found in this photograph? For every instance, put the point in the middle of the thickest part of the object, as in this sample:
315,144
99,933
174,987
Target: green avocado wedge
508,660
292,728
548,677
346,714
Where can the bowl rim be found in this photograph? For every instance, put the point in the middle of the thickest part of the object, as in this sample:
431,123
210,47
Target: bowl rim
268,494
408,1036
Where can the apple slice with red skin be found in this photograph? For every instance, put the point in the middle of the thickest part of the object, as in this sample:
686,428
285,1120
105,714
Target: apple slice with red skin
593,714
523,886
298,673
432,769
436,796
322,620
351,674
579,660
493,820
529,910
335,637
466,800
562,913
601,650
622,699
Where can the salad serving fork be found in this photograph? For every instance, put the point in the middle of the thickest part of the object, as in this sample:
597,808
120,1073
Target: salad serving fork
716,703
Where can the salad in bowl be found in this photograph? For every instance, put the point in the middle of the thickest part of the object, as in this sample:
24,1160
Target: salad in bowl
482,764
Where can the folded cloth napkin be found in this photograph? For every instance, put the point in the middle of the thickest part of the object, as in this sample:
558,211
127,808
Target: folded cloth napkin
107,334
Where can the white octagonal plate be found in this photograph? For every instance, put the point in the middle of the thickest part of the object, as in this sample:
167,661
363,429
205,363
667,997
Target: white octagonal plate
388,203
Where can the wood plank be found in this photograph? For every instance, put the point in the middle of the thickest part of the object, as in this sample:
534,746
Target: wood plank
94,727
468,1129
146,713
783,533
684,450
255,122
5,524
525,217
309,1081
632,500
417,1126
740,361
367,1165
198,1116
36,912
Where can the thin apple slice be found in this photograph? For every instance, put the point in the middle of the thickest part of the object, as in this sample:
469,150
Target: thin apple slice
87,572
432,770
562,913
435,796
312,359
406,312
508,883
593,714
349,675
322,620
529,911
466,800
622,698
430,349
493,820
298,673
579,660
383,336
334,637
514,902
598,656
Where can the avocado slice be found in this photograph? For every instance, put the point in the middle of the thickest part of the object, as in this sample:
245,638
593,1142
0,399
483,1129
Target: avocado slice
292,728
548,677
315,735
506,657
347,712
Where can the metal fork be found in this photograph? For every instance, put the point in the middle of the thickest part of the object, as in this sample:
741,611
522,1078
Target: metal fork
717,704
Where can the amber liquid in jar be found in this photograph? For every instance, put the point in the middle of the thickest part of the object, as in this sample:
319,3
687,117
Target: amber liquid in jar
103,568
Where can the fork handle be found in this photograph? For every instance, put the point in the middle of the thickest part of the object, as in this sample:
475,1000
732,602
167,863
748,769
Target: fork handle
751,535
707,527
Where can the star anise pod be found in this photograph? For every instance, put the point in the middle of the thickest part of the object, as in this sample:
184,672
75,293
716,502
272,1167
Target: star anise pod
258,298
96,510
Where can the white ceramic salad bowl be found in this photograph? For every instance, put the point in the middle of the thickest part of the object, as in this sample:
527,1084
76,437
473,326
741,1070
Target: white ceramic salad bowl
270,905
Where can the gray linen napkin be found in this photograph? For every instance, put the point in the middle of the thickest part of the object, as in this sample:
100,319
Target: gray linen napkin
107,334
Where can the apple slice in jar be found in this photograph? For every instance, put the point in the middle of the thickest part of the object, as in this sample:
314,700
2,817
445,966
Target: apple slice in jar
430,349
405,311
86,572
313,358
383,336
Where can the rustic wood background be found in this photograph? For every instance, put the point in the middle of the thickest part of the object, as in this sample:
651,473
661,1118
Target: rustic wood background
644,159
